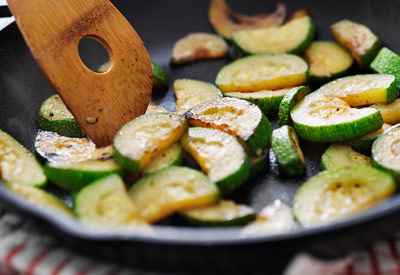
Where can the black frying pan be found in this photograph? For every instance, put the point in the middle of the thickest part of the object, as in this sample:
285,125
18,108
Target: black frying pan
185,249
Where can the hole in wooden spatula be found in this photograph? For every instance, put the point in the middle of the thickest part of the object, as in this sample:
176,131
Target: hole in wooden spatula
94,55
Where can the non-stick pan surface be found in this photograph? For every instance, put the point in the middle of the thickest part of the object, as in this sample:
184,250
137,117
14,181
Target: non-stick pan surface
186,249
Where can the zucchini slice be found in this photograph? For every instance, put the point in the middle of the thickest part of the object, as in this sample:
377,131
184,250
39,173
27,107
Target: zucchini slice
171,156
189,92
359,90
39,198
387,62
144,138
52,147
196,46
363,144
235,117
258,163
262,72
267,101
73,176
292,37
327,61
338,155
288,101
390,112
275,218
54,116
18,165
106,202
386,152
224,213
220,16
336,194
219,155
285,144
160,79
172,189
322,118
358,39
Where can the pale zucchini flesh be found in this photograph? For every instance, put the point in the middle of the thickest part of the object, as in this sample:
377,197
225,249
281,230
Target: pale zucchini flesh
224,213
144,138
338,156
340,193
190,92
172,189
235,117
219,155
73,176
262,72
106,202
17,164
386,152
267,101
292,37
52,147
171,156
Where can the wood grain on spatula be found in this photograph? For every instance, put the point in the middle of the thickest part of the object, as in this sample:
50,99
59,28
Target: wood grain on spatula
101,103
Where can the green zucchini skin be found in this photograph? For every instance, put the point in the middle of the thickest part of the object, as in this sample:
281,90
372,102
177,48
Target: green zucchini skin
379,145
244,214
387,62
73,179
338,156
160,79
67,126
284,142
158,164
234,180
340,132
363,144
288,101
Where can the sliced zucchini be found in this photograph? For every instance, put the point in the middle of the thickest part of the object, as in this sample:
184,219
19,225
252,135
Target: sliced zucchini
390,112
262,72
336,194
52,147
221,18
106,202
387,62
144,138
54,116
160,79
198,46
358,39
338,155
363,144
39,197
73,176
327,61
288,101
189,92
154,108
219,155
386,152
267,101
258,163
235,117
275,218
171,156
285,144
292,37
172,189
359,90
224,213
18,165
322,118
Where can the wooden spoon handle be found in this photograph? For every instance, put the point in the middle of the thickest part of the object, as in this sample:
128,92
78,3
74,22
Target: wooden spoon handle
101,102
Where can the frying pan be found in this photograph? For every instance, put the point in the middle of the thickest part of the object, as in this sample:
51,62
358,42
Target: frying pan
187,249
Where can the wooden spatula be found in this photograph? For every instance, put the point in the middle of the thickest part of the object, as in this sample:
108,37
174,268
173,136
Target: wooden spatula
101,103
